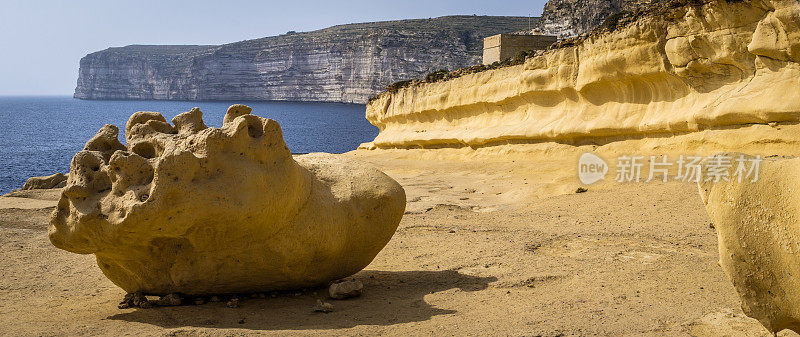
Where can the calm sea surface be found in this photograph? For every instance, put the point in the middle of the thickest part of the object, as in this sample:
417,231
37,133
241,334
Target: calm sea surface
39,135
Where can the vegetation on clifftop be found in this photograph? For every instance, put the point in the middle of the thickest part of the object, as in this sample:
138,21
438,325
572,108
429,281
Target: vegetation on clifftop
345,63
444,74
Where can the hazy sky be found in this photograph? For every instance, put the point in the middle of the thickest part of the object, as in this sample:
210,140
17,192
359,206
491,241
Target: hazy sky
43,40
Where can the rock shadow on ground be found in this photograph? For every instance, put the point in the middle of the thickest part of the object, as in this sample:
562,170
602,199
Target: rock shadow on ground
389,298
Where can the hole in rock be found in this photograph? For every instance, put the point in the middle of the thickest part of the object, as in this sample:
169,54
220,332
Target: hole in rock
145,150
254,131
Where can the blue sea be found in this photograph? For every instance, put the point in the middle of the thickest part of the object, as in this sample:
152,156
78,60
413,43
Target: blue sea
39,135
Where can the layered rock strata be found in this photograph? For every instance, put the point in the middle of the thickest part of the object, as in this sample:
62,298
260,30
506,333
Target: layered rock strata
568,18
347,63
718,64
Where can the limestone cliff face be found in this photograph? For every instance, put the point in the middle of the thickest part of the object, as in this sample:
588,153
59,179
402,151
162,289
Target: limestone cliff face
720,64
346,63
568,18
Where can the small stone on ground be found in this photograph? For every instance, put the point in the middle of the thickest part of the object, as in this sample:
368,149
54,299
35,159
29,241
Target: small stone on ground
323,307
346,289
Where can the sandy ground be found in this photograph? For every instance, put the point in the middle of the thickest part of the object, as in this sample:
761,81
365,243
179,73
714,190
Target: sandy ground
486,248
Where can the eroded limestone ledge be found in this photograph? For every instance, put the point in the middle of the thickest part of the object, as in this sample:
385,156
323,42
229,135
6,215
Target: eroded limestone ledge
718,65
196,210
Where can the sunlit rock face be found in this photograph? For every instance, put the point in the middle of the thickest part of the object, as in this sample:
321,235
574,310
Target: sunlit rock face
196,210
713,65
759,240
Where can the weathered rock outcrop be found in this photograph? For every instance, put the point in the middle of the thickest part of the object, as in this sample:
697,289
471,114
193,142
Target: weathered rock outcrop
347,63
52,181
717,64
759,240
189,209
568,18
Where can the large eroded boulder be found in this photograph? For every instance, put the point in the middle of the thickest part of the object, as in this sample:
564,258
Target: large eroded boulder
758,227
198,210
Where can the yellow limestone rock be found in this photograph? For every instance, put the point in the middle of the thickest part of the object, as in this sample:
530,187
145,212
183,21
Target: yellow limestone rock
714,64
52,181
758,226
185,208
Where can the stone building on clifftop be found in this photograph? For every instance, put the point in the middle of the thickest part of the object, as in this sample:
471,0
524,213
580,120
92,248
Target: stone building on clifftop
501,47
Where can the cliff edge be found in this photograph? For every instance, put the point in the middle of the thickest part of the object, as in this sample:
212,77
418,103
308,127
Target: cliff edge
682,69
347,63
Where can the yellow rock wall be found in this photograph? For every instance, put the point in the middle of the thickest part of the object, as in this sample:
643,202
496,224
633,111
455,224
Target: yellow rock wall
715,66
759,240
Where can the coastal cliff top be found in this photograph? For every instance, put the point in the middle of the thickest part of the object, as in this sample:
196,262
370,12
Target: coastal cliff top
483,25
